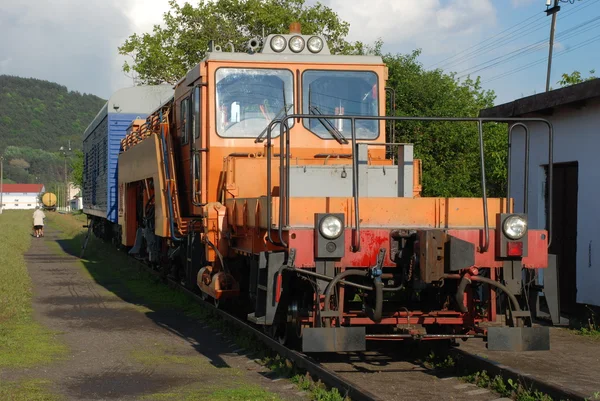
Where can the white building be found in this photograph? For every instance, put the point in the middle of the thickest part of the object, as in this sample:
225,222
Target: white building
76,203
21,196
575,115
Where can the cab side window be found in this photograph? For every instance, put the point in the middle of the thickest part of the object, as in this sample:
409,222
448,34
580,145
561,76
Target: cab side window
196,112
185,123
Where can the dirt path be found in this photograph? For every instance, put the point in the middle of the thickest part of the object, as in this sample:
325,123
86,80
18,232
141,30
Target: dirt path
122,351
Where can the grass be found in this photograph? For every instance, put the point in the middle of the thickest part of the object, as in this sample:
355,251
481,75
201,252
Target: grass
28,390
247,393
23,342
509,388
586,323
122,278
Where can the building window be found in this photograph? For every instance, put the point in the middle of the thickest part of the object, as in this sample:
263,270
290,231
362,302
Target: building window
29,204
16,205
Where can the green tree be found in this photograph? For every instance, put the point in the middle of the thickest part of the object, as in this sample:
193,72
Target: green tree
36,115
575,78
77,169
449,150
166,54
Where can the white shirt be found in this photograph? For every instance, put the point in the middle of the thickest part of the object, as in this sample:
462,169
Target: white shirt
38,218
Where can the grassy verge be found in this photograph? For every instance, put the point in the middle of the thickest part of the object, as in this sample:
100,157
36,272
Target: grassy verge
23,342
115,271
29,390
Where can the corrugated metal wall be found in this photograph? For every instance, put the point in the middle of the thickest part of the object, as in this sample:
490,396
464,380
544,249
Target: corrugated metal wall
95,169
117,124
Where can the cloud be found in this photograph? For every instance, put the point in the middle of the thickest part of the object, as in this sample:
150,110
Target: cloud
76,44
523,3
71,42
439,25
65,41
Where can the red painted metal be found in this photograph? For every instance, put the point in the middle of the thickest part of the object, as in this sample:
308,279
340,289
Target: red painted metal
374,239
359,321
371,239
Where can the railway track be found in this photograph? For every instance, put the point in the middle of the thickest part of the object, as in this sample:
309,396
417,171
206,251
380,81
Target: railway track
382,374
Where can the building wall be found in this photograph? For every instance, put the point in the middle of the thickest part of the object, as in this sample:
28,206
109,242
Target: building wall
20,200
576,138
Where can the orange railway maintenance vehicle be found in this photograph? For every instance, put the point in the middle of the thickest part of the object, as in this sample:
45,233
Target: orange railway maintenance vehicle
269,181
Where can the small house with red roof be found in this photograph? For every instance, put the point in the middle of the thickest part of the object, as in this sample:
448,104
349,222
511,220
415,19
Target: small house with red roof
21,196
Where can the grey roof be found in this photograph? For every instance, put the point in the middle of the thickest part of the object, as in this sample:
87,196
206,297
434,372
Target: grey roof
546,101
133,100
293,58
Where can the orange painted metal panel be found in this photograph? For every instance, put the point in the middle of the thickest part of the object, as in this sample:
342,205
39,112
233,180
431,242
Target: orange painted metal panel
396,212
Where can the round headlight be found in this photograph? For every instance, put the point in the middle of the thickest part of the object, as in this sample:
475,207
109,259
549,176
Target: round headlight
315,44
297,44
331,227
515,227
278,43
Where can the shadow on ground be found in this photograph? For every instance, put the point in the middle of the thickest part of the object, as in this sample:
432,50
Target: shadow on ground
113,274
111,267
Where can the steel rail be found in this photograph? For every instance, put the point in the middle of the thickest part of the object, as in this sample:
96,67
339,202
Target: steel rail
471,363
330,378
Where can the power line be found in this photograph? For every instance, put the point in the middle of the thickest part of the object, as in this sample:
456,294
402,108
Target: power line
542,60
532,48
513,36
482,42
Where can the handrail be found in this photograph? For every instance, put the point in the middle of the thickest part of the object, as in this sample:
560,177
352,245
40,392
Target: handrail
526,171
168,181
285,158
486,223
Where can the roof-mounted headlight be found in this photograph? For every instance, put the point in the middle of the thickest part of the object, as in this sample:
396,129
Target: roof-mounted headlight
315,44
278,43
296,44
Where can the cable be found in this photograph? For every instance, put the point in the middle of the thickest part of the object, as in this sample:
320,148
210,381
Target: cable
540,61
532,48
482,42
519,33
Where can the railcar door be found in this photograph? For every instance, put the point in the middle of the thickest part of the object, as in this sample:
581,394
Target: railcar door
197,151
183,155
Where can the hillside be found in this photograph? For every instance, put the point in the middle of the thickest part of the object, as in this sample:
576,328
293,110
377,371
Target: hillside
36,118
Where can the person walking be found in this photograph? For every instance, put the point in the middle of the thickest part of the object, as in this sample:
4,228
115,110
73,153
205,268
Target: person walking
38,222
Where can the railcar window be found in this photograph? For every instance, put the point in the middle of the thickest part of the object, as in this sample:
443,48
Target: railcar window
196,112
341,93
184,121
249,99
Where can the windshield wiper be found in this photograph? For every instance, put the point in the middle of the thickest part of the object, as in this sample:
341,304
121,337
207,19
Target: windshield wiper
281,113
335,133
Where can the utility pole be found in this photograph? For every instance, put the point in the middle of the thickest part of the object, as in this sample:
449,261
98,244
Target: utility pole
551,11
1,182
66,193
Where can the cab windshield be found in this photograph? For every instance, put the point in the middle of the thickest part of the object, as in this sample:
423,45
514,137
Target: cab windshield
249,99
340,93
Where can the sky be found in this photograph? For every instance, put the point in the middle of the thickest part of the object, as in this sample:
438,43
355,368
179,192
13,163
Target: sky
505,42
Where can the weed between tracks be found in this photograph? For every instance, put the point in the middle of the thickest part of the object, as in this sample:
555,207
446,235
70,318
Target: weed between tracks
448,364
123,277
587,323
507,388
